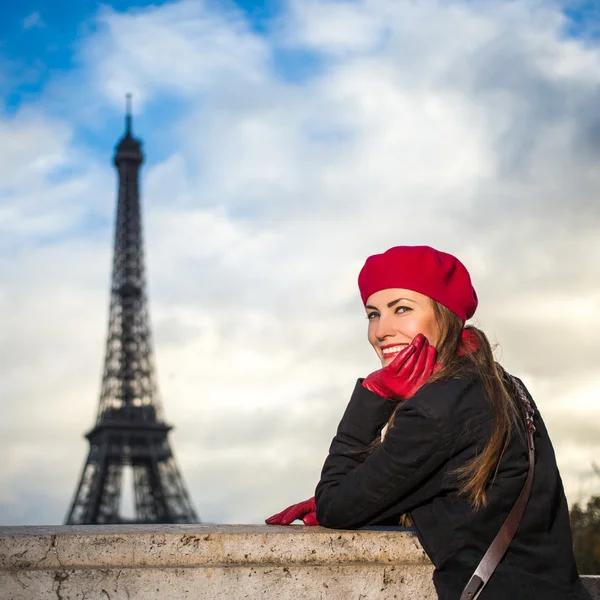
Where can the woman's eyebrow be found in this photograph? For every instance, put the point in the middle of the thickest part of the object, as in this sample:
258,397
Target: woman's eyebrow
392,303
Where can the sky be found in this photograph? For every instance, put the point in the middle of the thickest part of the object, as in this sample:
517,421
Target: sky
285,142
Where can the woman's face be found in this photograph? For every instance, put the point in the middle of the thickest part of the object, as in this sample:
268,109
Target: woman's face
396,316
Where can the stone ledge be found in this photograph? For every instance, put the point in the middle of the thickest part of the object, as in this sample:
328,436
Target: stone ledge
168,546
202,562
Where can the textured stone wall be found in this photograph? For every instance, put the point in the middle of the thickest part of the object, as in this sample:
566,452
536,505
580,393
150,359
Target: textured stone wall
198,562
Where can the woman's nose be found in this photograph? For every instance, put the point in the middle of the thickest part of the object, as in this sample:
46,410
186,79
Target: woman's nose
384,329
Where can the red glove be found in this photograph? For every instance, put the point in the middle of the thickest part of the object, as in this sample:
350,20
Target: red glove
468,342
306,511
409,370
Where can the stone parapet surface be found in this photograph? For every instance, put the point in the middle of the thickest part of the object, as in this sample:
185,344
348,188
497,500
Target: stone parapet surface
592,583
185,562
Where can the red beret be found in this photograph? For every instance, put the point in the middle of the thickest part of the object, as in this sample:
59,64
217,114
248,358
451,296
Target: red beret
421,269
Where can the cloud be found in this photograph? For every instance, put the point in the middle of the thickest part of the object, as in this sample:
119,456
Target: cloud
463,126
33,20
204,45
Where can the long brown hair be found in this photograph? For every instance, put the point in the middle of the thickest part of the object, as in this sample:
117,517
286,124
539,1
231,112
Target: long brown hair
475,474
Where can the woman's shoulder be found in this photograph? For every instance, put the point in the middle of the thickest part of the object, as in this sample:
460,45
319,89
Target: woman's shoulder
454,387
460,398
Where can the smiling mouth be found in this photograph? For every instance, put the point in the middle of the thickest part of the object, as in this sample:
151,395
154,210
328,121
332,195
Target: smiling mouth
391,350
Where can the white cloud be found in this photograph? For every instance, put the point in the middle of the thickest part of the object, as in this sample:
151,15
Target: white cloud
461,125
33,20
182,48
336,28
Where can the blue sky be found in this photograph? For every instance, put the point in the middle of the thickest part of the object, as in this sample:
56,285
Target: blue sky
285,142
41,41
42,37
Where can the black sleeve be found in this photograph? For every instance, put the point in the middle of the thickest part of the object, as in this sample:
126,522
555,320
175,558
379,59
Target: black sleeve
354,488
364,418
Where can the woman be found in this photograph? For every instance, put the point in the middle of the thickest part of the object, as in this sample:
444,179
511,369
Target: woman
454,455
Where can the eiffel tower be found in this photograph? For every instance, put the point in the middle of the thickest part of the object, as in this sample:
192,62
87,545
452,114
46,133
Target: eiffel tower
130,431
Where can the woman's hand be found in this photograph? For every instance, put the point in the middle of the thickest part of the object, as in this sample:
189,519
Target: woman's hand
306,511
409,370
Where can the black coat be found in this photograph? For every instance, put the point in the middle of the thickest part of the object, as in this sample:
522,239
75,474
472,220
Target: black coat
436,431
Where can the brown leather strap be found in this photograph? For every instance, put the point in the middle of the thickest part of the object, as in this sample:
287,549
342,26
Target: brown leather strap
498,547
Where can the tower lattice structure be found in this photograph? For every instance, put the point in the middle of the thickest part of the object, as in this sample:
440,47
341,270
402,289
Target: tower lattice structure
129,429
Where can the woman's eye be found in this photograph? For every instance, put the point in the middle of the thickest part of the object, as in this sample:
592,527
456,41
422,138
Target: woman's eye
372,315
402,309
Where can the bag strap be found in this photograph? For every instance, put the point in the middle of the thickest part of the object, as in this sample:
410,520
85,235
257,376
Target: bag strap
498,547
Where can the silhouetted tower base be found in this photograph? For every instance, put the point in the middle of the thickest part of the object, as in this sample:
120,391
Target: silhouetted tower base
129,429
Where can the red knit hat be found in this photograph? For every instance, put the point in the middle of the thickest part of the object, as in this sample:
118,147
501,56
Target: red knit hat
422,269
